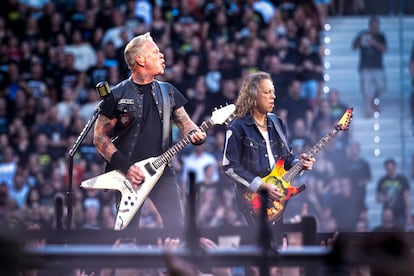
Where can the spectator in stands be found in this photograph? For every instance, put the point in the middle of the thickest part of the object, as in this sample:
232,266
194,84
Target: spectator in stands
160,29
113,34
51,23
393,191
269,48
387,222
218,29
228,64
348,217
228,93
213,74
4,116
353,7
20,140
98,72
299,138
337,107
288,58
72,77
67,106
295,106
209,203
323,120
323,170
87,109
31,32
19,191
92,208
35,80
108,217
82,51
144,11
359,171
274,67
8,166
372,45
199,103
192,69
196,162
310,72
55,131
323,7
150,218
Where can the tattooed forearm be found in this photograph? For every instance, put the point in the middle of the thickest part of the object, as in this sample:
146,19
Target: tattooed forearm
101,139
183,121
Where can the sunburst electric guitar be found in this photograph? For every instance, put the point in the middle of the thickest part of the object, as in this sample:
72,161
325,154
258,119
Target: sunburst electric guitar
131,199
282,178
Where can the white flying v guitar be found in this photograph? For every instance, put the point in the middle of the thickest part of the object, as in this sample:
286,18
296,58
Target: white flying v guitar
132,200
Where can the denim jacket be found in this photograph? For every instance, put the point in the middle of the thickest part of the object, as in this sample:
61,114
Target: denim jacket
245,158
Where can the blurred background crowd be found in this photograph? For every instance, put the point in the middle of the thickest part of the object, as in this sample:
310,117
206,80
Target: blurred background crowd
53,53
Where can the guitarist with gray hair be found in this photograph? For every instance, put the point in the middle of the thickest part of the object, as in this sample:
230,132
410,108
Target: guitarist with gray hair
135,124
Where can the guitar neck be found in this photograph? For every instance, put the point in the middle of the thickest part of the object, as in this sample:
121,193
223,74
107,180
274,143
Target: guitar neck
166,156
297,168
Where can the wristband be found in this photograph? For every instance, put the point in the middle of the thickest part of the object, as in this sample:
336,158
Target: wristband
120,162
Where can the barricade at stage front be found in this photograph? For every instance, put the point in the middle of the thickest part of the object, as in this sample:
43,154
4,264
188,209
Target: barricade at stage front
238,246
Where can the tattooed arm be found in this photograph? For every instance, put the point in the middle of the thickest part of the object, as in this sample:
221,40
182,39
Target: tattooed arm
104,145
101,139
186,125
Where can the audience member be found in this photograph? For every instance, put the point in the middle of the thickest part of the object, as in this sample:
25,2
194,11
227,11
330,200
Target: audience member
83,53
346,218
310,72
387,222
393,191
359,171
295,107
196,162
337,107
372,45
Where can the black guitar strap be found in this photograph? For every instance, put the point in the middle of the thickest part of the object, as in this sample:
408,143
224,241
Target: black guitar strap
166,112
279,130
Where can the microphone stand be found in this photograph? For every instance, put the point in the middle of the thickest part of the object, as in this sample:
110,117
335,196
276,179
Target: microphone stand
265,236
72,153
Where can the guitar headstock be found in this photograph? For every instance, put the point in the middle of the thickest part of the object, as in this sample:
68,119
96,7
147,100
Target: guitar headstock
222,115
343,123
229,119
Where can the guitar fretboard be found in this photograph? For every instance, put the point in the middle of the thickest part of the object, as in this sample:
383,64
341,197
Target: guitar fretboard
297,168
166,156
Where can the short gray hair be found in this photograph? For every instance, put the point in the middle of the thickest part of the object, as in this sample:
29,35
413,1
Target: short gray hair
134,47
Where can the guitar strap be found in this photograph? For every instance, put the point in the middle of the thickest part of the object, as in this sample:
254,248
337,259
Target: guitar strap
279,130
166,112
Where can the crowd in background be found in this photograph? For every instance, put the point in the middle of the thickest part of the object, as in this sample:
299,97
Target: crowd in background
54,53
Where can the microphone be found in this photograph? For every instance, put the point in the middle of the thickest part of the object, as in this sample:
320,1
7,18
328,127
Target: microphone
103,89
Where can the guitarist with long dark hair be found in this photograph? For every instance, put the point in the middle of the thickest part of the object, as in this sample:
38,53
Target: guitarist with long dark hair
255,145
